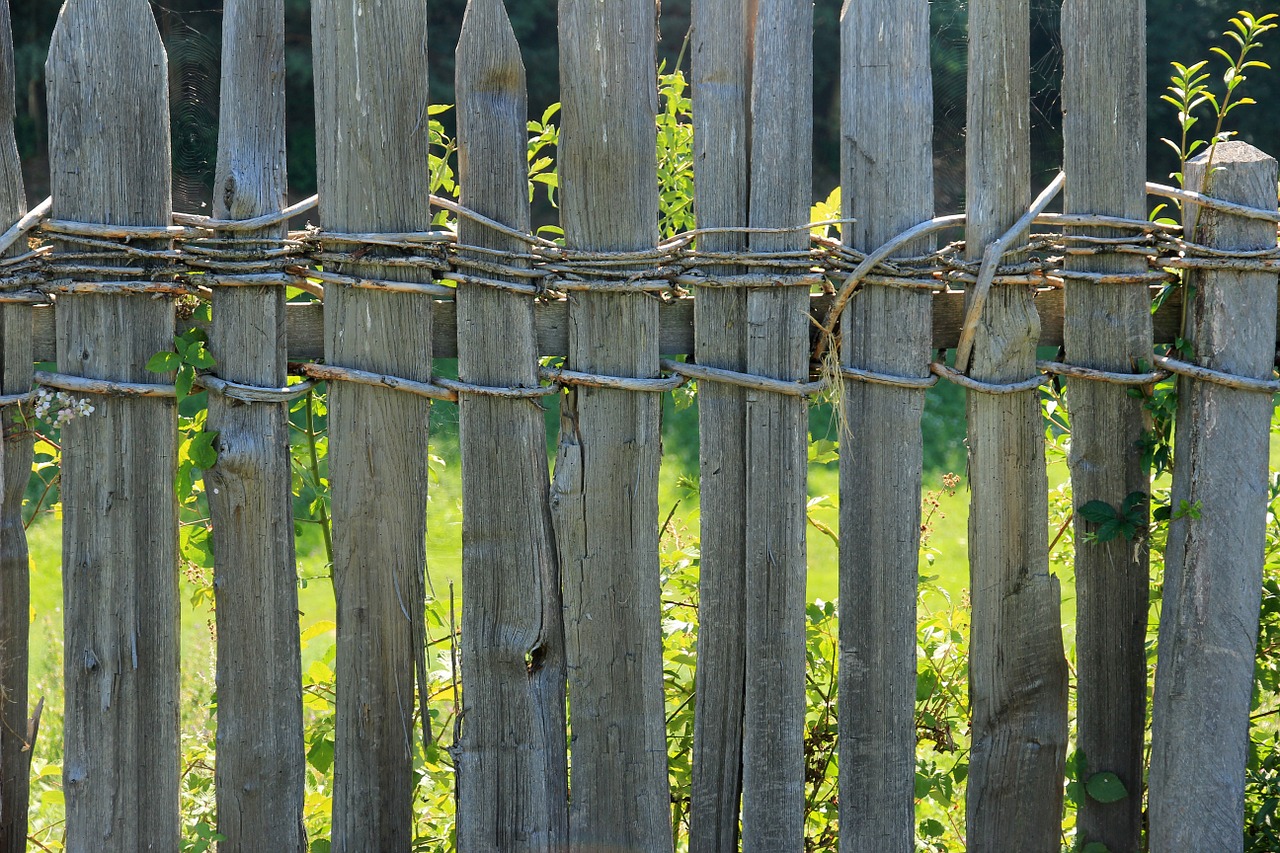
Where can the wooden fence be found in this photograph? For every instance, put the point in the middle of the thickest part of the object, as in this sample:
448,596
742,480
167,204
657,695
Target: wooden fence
560,575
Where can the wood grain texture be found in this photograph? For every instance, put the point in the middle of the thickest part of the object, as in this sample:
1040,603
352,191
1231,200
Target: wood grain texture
261,762
1213,564
605,491
1108,327
887,180
1017,670
15,470
110,163
721,57
372,127
511,755
777,436
675,325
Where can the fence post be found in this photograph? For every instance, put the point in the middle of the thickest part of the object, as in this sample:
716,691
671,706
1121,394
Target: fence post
1108,327
110,163
373,175
605,492
260,760
511,759
887,180
1214,558
16,367
721,59
1017,669
777,435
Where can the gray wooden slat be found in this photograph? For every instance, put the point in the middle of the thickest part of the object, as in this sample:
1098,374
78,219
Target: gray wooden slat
1213,562
511,754
777,436
110,163
604,495
721,56
887,180
1017,669
1104,94
675,325
372,171
261,763
15,471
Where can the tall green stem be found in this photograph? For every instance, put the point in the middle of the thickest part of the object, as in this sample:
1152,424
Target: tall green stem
315,478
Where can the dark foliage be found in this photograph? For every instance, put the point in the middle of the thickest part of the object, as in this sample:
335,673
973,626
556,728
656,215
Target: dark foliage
1178,29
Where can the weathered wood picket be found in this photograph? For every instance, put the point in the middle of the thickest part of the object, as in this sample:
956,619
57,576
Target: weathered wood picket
1017,669
261,760
561,743
371,164
777,443
887,114
604,497
1213,586
109,102
511,757
1108,328
16,368
721,60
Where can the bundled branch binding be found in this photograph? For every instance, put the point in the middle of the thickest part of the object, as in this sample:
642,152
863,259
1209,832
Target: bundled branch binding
203,253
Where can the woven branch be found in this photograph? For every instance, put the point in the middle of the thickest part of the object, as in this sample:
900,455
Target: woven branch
199,253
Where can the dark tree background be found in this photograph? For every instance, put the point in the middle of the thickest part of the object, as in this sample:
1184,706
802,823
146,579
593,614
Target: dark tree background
1178,29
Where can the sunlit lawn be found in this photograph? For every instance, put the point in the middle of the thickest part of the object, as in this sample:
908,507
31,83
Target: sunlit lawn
444,544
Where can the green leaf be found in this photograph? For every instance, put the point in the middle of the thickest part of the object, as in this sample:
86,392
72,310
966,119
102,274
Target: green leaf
199,357
1109,530
184,481
203,454
1095,847
923,786
1186,509
1099,512
163,362
1133,501
926,683
182,384
1106,788
931,828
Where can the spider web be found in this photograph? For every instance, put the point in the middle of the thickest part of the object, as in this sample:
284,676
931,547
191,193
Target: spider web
950,68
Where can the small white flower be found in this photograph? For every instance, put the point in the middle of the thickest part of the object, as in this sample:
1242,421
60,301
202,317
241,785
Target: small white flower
62,406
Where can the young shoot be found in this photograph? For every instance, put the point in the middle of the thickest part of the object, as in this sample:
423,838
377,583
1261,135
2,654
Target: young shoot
1189,88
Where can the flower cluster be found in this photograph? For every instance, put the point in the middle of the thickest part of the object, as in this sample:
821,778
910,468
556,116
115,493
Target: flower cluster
61,407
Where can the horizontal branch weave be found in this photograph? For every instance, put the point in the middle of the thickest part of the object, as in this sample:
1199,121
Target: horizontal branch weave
194,255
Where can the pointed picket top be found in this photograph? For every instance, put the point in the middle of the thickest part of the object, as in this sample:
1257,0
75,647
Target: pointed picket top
109,106
488,55
109,159
8,98
491,103
511,749
260,775
12,198
15,467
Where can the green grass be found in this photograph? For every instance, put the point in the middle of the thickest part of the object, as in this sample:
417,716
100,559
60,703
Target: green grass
948,566
444,535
